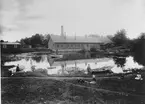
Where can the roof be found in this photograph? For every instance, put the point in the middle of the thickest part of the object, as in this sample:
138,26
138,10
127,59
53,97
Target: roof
78,39
10,43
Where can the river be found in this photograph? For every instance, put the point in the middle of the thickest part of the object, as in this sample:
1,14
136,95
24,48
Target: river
43,61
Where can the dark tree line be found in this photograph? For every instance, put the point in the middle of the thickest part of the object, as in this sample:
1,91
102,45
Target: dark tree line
37,40
136,46
139,49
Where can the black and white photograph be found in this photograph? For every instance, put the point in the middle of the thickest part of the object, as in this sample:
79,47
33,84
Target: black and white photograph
72,51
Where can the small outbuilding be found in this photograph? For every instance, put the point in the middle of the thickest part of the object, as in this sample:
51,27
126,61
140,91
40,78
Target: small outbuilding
10,46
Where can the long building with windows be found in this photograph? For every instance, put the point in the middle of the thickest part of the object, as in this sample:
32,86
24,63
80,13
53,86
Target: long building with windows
65,43
10,47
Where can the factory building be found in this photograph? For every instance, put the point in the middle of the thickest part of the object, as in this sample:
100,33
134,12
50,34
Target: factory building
63,43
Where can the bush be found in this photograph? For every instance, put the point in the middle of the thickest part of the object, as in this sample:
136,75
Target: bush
73,56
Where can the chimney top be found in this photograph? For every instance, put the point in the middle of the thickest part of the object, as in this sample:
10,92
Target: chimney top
62,31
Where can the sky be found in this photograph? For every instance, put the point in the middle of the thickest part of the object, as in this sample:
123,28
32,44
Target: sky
24,18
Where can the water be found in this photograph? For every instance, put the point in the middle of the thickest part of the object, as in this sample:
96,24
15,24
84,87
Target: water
116,64
43,61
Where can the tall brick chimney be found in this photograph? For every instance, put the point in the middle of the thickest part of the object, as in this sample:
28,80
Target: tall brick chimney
62,31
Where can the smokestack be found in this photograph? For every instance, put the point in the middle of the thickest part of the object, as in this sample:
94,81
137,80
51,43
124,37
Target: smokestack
62,32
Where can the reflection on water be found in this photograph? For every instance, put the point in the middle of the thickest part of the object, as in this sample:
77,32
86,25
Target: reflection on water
139,51
119,61
43,61
130,63
37,58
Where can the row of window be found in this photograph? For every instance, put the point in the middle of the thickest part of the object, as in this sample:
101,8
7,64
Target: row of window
5,46
69,45
72,45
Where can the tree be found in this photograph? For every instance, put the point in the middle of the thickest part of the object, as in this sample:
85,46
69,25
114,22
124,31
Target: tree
22,42
109,37
36,40
45,40
1,40
139,49
120,38
142,36
27,41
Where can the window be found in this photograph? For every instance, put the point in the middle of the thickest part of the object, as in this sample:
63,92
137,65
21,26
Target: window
57,45
4,46
67,45
74,45
15,46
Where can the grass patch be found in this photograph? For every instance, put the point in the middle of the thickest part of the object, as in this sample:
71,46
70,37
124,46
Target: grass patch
30,74
32,90
41,91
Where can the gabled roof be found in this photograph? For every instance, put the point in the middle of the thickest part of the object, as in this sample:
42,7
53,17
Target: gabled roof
78,39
